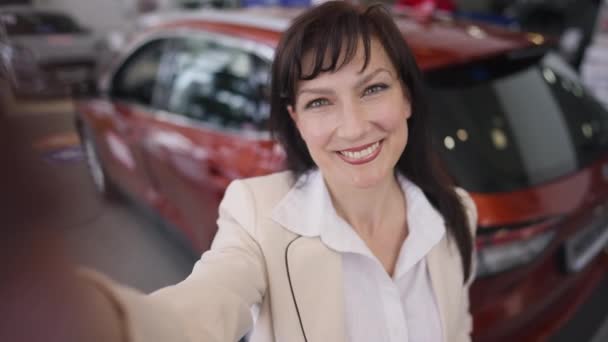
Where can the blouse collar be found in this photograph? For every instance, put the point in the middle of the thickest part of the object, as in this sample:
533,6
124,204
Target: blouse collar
307,210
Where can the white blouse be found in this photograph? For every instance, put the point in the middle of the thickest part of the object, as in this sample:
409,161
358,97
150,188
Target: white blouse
380,308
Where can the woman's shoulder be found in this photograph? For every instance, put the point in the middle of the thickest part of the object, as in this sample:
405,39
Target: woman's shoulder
250,201
261,193
469,206
278,181
267,188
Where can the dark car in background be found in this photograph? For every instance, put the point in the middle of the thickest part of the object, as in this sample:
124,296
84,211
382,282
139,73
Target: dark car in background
52,53
182,112
571,20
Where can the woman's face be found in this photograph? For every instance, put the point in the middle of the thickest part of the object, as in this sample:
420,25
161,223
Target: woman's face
354,123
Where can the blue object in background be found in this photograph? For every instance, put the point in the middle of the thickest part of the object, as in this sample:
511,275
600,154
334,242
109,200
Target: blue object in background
295,3
64,155
285,3
488,18
479,74
252,3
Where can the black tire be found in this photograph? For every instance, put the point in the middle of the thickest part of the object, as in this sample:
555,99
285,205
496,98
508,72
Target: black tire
99,176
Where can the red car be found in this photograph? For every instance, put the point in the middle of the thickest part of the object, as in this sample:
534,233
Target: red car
182,113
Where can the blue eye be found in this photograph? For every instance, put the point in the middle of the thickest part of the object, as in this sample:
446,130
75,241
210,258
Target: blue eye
316,103
375,88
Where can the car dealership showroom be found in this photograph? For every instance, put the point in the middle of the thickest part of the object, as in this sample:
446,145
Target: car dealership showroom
135,134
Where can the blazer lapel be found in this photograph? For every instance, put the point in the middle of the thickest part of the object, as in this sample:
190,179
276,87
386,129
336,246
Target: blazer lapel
315,275
436,266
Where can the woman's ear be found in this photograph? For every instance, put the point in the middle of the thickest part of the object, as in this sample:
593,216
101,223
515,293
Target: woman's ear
293,114
408,111
408,99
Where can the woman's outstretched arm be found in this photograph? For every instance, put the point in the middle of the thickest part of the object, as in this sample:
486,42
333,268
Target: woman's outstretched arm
47,299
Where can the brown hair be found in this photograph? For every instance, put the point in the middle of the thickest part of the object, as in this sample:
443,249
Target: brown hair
331,33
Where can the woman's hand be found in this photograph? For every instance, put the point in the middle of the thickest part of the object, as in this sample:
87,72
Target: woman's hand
42,298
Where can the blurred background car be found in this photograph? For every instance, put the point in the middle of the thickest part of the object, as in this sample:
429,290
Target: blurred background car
572,21
51,45
18,68
594,69
182,112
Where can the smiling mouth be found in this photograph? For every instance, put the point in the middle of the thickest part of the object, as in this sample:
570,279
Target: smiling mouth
365,154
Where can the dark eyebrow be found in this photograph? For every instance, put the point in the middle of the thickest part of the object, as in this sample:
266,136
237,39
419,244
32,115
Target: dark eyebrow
371,75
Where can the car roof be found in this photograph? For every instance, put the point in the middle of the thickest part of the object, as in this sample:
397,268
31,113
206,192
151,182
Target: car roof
439,42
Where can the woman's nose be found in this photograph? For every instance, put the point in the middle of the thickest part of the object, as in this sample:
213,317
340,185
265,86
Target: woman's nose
353,123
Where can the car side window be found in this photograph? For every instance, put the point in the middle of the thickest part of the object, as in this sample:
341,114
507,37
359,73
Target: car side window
136,78
219,85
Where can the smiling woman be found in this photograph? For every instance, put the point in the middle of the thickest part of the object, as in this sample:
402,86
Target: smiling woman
347,104
352,117
363,238
343,80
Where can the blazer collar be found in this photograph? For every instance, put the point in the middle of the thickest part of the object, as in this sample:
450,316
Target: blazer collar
317,286
304,209
307,210
315,270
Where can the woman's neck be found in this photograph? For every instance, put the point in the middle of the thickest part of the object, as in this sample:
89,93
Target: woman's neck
367,210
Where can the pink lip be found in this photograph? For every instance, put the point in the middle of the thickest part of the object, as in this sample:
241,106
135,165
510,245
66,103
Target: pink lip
364,160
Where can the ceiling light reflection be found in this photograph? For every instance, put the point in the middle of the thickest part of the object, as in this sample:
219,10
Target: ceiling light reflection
587,130
499,139
449,142
462,135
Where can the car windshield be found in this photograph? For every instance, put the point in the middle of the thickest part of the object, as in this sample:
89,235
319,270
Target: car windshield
509,124
38,23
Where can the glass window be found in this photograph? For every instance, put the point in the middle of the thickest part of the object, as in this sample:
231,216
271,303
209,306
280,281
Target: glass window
137,77
56,23
38,23
216,84
503,127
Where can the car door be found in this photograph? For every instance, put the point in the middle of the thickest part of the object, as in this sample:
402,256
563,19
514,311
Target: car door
118,120
210,129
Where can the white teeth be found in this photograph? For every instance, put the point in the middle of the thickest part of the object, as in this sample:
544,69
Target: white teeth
363,153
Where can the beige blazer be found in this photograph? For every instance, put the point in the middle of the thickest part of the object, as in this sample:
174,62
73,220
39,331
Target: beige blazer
294,281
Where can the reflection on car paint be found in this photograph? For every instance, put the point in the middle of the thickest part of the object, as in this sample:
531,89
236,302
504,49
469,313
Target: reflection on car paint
120,151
